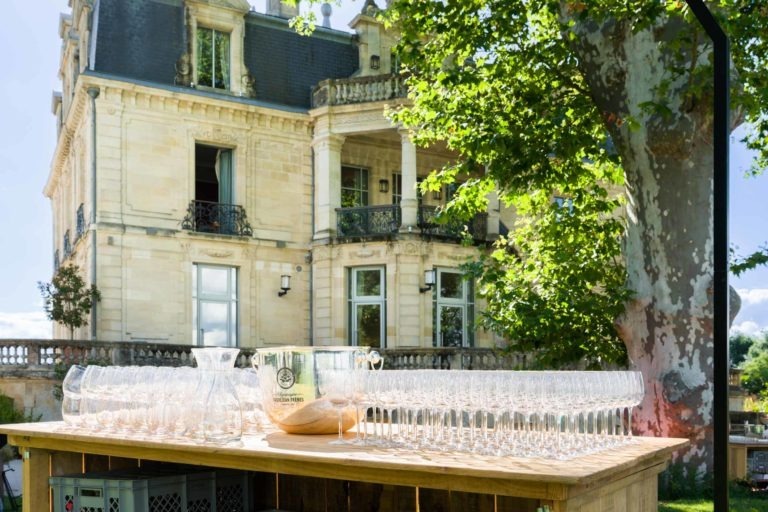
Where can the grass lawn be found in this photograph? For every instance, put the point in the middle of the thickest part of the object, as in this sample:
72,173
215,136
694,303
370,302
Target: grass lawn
737,504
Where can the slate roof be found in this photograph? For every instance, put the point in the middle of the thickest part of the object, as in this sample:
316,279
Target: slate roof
143,39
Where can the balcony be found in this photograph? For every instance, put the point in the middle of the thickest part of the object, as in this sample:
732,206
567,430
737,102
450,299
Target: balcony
476,228
216,218
367,221
385,220
347,91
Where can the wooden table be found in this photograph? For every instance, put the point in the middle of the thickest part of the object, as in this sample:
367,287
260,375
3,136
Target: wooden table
306,473
739,448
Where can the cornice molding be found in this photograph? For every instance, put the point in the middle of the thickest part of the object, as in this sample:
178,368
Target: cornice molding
66,135
116,93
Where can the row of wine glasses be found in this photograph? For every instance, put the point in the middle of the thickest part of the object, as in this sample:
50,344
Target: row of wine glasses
558,414
163,402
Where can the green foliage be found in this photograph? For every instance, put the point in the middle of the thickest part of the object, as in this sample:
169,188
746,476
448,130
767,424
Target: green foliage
741,498
68,300
739,347
679,482
10,414
556,285
755,376
754,260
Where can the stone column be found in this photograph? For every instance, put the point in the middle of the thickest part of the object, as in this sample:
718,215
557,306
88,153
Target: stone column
327,150
409,203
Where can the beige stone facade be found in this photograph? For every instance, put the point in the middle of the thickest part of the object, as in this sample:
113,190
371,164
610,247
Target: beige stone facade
134,148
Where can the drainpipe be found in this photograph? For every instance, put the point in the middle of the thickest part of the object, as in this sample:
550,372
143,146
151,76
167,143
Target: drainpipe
93,92
311,254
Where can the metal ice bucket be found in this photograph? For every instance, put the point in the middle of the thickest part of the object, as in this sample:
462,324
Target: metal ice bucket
288,377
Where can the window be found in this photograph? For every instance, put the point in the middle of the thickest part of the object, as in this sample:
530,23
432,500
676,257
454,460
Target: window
67,245
80,231
454,310
367,306
397,189
214,297
213,174
212,58
354,186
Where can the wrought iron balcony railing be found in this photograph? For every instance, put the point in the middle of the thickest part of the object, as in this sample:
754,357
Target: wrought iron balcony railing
366,221
476,228
218,218
345,91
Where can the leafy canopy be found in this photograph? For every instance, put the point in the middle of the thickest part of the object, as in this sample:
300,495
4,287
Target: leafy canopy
497,82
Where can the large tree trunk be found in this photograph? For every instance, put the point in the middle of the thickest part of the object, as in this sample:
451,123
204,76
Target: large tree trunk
668,161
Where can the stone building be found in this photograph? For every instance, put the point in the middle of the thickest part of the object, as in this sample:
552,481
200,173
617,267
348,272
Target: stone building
226,181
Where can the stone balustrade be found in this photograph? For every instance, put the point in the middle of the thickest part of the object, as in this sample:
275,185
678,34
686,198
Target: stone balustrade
452,358
42,357
345,91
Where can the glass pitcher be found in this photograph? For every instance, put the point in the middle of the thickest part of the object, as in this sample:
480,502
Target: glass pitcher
220,416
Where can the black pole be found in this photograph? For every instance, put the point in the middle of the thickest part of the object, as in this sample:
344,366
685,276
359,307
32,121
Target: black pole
721,132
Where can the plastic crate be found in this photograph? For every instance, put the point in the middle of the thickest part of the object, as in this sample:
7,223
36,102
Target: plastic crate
134,492
233,491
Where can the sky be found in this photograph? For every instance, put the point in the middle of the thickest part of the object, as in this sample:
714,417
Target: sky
29,73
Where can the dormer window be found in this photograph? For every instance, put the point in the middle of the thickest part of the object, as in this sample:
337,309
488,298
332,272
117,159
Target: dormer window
213,58
215,54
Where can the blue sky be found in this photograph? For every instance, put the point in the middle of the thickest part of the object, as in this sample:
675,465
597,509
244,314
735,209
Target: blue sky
29,64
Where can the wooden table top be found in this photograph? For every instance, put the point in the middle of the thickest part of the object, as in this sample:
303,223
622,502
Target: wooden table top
275,451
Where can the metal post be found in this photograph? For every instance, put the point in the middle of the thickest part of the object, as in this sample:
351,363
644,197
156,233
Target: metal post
721,129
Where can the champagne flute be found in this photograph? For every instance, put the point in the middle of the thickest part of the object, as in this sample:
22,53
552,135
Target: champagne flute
335,386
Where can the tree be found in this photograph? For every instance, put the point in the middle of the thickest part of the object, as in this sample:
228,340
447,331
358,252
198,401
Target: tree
755,376
739,346
556,284
68,300
538,91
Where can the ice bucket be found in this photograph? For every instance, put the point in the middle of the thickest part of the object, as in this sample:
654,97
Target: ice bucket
288,378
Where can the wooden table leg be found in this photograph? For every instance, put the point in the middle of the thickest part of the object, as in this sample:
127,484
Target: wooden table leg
35,469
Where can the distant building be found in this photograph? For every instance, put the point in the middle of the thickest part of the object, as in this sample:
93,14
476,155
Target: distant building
209,156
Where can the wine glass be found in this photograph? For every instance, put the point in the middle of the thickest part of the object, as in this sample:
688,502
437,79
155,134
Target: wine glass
336,386
71,402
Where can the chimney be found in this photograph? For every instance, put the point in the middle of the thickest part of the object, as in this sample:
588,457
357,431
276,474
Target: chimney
282,10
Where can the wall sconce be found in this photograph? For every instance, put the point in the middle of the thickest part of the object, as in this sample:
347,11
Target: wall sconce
429,280
285,285
383,186
375,61
437,195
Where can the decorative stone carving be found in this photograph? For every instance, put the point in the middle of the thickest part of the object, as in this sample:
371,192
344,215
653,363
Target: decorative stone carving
183,70
248,85
213,253
237,5
219,136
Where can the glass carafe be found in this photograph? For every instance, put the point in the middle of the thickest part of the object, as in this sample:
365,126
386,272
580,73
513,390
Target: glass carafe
221,418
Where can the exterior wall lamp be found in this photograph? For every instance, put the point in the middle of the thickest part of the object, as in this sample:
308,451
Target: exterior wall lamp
383,186
429,280
437,195
375,61
285,285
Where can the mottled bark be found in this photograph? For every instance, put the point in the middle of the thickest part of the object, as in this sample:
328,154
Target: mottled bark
668,161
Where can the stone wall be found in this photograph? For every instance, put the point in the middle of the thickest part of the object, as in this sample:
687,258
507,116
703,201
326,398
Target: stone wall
35,396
